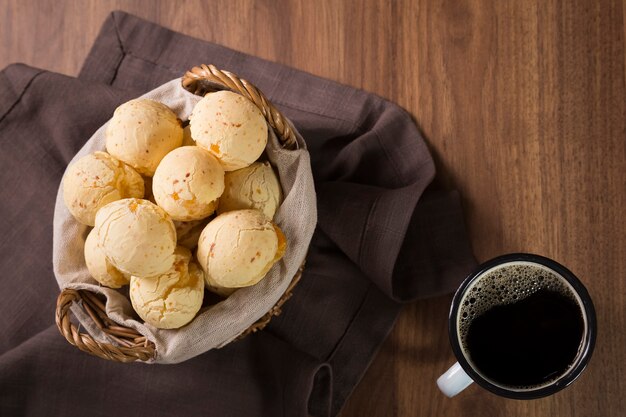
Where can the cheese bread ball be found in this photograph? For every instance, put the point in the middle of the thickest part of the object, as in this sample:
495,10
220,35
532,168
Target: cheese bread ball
172,299
231,127
136,236
142,132
253,187
238,248
187,183
99,267
94,181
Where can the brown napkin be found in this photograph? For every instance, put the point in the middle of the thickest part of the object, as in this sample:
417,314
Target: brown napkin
381,239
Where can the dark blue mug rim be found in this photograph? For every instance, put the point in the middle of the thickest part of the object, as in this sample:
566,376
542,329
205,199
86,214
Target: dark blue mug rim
590,338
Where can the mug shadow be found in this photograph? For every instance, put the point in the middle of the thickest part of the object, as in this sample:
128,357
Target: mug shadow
422,335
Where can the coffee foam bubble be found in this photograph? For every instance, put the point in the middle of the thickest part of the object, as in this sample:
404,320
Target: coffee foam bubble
506,284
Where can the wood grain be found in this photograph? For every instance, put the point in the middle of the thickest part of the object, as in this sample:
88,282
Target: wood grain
523,105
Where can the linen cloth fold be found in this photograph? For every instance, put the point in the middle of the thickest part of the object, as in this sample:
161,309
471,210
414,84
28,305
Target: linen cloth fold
383,237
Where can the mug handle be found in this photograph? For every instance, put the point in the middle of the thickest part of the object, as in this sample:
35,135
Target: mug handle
454,380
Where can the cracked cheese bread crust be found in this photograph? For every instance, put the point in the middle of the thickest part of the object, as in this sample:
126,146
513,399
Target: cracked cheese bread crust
137,236
187,183
254,187
99,267
238,248
172,299
141,132
96,180
231,127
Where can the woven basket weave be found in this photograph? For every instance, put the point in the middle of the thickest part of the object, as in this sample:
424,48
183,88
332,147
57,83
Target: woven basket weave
131,345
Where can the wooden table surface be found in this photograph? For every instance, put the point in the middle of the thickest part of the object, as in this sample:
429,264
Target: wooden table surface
523,106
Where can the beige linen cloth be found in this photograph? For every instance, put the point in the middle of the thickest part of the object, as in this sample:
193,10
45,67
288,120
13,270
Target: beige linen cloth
216,325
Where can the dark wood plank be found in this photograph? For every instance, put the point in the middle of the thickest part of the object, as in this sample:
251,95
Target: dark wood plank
523,107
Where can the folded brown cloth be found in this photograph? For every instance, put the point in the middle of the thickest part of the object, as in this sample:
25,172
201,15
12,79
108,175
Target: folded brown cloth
382,238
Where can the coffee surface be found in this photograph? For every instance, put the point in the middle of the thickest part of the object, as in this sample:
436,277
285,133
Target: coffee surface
521,326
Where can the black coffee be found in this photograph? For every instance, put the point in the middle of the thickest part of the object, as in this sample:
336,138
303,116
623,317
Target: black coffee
521,327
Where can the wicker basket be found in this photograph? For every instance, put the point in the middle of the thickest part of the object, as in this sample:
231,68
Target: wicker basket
131,345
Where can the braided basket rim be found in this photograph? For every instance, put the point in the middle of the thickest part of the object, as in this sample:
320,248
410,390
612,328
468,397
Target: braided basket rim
130,345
